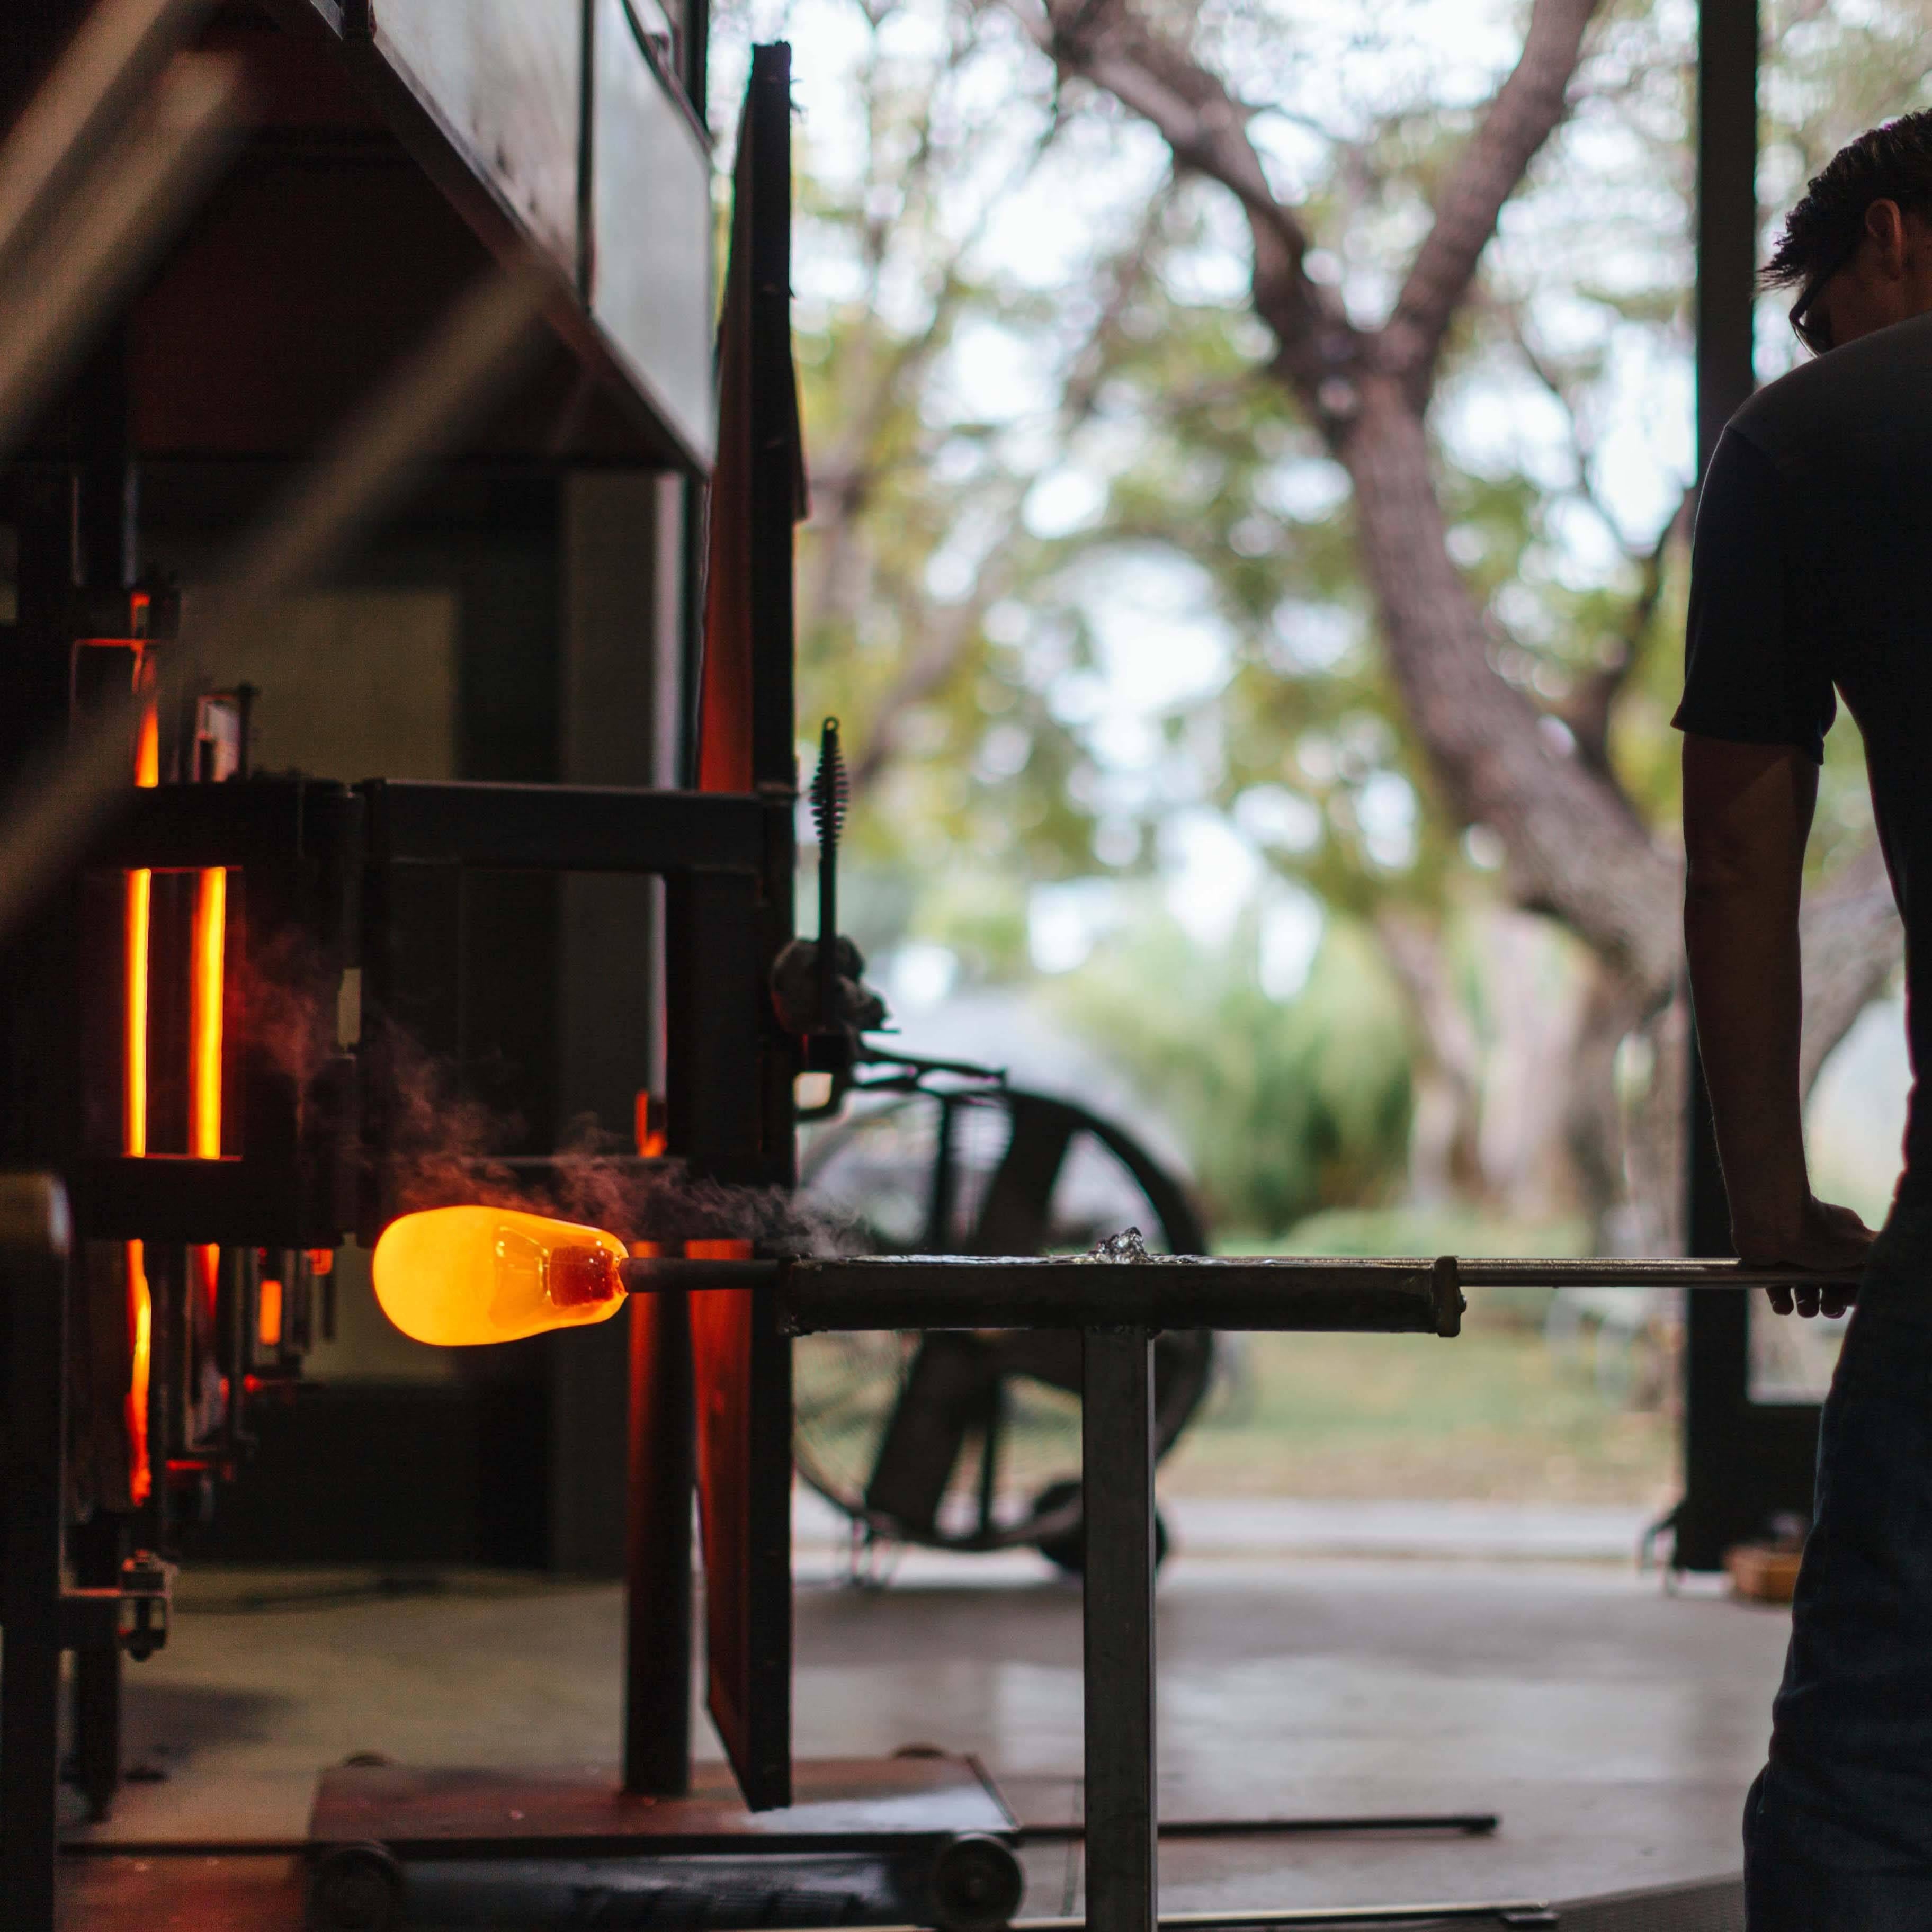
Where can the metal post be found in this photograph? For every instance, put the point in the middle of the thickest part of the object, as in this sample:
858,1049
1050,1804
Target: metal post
1117,1452
34,1242
658,1564
1728,1488
1728,32
99,1547
1726,298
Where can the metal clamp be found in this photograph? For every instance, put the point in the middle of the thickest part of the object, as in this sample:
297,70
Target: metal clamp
135,1615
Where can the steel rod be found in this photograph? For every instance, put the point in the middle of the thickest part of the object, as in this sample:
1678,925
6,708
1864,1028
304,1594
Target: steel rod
959,1291
676,1276
97,1548
1466,1824
1496,1912
1294,1293
1118,1628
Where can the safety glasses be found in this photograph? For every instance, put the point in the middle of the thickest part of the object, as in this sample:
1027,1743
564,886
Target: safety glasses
1814,330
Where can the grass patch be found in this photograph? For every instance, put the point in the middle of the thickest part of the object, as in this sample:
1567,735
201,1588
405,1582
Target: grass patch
1496,1415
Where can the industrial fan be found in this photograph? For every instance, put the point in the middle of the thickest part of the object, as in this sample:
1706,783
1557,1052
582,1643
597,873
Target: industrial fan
971,1441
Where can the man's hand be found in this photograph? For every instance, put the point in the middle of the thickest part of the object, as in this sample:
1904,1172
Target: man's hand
1821,1237
1747,814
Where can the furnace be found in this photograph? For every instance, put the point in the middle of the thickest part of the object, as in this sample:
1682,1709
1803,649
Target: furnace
232,1028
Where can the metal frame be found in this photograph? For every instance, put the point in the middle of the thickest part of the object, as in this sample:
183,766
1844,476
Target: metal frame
714,851
42,1616
297,845
742,1074
1293,1295
35,1234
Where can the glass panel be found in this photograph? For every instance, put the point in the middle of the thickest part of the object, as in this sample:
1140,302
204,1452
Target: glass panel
502,76
651,193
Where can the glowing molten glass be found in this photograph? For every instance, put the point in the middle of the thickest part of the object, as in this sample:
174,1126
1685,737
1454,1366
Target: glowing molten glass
457,1276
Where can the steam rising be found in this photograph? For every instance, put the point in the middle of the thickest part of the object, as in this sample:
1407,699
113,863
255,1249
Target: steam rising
444,1149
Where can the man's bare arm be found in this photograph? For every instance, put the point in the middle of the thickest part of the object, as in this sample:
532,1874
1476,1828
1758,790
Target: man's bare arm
1747,815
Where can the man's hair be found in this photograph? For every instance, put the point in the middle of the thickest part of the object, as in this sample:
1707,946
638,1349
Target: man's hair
1893,163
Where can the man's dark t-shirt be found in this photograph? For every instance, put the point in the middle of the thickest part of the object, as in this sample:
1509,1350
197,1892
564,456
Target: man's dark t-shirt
1812,568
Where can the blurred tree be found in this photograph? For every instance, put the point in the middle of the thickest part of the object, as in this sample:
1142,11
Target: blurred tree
1288,1107
1307,414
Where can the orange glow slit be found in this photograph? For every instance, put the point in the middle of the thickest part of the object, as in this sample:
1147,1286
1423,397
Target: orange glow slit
139,890
211,931
140,1336
136,921
208,942
269,1314
205,1262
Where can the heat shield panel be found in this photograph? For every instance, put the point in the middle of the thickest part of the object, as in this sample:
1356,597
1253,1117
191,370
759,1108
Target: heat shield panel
742,1367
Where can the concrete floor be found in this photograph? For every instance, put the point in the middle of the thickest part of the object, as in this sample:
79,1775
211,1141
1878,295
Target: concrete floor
1614,1728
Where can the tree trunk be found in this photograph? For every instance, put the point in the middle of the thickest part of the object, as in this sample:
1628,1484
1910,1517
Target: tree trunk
1575,848
1593,1123
1445,1161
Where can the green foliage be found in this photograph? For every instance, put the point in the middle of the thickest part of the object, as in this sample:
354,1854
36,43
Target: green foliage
982,917
1286,1107
945,608
1001,440
1497,1415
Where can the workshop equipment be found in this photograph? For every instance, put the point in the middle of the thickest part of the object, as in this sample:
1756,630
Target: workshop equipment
380,872
1116,1302
971,1442
215,1171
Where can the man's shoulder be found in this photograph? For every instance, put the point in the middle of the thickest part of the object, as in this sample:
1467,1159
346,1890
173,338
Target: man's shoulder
1883,381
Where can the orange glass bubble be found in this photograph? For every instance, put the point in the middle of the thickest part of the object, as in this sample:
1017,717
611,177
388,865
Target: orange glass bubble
459,1276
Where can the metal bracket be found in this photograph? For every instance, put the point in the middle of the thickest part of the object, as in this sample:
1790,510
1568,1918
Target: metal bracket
135,1615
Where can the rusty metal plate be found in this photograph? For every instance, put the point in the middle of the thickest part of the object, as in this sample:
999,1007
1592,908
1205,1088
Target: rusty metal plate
202,1893
741,1365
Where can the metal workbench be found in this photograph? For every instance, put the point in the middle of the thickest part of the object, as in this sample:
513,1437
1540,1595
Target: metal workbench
1117,1305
